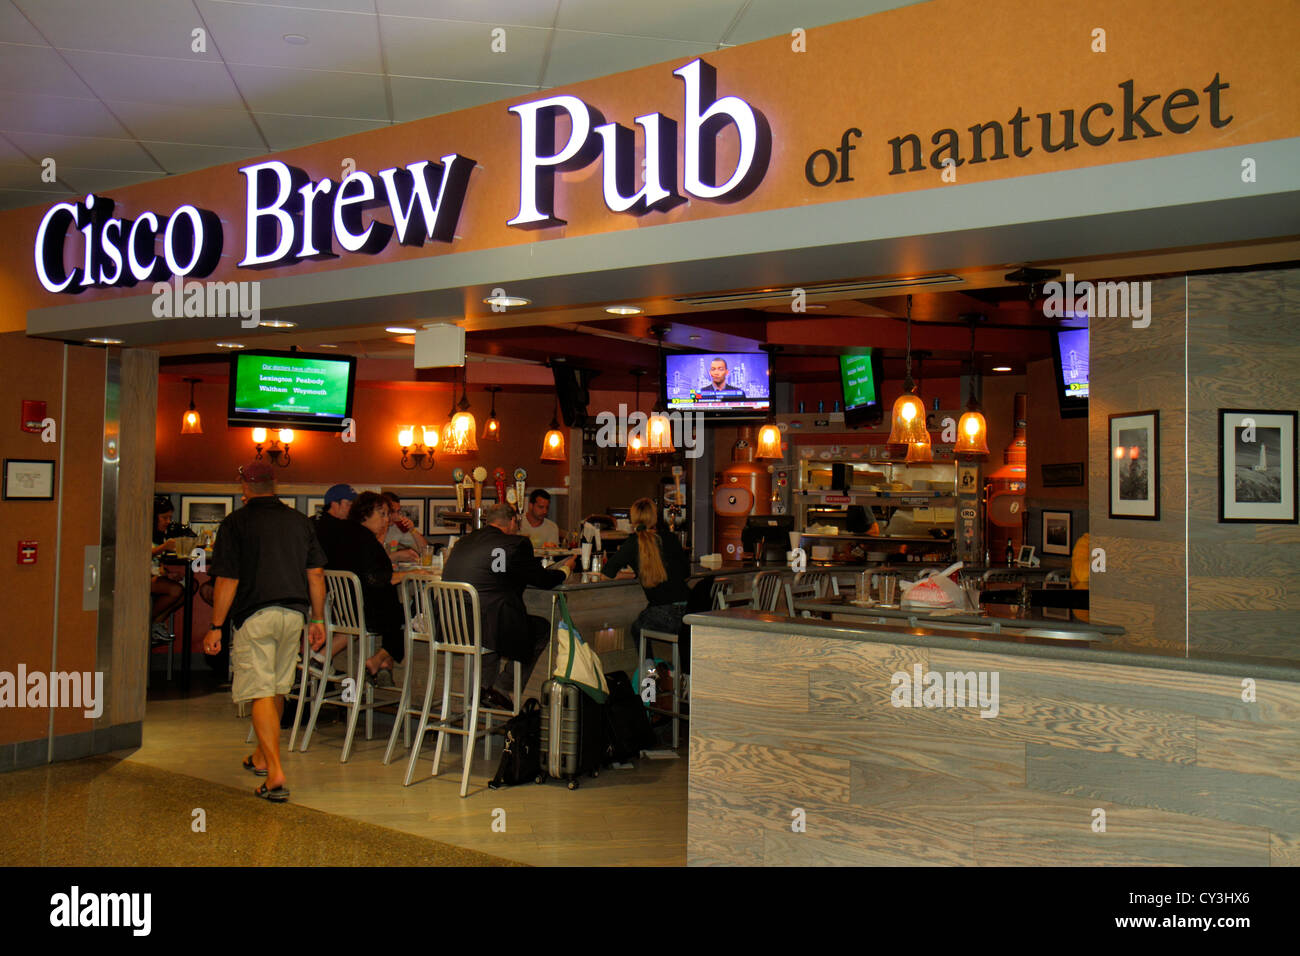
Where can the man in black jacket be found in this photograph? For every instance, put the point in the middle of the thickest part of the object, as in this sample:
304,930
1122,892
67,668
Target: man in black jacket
500,564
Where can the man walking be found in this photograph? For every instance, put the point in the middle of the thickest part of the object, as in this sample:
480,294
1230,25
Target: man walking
499,562
269,570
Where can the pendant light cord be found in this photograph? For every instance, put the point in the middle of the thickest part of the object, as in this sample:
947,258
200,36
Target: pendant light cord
908,384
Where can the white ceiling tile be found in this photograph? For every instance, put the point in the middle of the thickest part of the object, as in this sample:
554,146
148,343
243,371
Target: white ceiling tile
768,18
416,98
57,114
353,6
144,27
38,69
452,50
312,92
21,199
532,13
101,180
196,84
584,56
175,123
185,157
85,151
254,34
668,19
288,131
14,27
24,175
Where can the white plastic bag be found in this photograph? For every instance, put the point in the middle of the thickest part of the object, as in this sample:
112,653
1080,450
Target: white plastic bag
938,589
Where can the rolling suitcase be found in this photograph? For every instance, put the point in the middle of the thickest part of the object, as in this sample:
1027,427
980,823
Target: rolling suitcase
573,739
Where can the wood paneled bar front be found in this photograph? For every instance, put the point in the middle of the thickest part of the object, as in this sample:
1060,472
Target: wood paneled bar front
816,743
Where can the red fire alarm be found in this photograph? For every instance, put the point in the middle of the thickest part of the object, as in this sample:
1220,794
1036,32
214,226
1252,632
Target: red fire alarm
33,415
27,552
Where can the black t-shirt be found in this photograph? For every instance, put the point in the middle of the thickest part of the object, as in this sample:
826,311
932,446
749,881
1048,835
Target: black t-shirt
677,565
268,547
349,546
337,537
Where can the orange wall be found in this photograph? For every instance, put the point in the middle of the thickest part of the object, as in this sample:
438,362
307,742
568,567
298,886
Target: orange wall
374,458
33,369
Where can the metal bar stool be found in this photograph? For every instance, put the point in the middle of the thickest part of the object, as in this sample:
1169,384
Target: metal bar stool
458,633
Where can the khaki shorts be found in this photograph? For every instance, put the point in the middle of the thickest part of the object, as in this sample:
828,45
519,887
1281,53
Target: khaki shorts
264,654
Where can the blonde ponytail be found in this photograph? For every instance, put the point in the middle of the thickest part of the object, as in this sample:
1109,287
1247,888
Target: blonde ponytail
644,519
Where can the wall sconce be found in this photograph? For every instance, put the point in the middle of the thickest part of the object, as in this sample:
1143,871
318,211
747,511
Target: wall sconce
418,454
279,456
492,427
191,424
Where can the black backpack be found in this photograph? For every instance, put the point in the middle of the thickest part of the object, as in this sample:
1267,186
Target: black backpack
521,761
627,723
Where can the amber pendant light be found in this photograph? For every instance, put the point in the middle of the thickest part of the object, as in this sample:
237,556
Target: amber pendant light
972,429
553,440
463,426
191,423
908,425
448,441
636,444
492,427
660,429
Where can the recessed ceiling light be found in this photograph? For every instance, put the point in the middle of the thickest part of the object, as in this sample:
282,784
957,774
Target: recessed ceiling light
104,341
622,310
230,345
278,324
400,330
814,305
1002,368
295,39
696,337
327,345
507,301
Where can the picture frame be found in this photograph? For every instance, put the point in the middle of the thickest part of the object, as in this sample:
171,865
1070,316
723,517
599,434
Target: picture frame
202,512
290,500
1025,558
1257,466
1134,469
1058,532
967,479
438,507
315,506
28,479
413,508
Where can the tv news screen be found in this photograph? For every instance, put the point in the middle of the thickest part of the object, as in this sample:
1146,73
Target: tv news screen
717,382
1070,358
860,380
299,389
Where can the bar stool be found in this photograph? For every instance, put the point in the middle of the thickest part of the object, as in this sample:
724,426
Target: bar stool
666,637
767,590
345,613
458,633
808,584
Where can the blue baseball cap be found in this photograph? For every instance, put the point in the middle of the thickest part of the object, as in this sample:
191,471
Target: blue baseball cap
340,493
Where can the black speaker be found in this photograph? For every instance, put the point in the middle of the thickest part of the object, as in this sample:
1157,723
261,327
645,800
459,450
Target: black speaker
571,387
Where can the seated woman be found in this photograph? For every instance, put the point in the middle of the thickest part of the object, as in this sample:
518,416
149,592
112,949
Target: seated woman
370,562
167,594
662,566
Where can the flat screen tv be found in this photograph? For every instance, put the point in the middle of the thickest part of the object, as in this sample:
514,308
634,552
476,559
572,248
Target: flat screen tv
1070,357
717,382
860,378
291,389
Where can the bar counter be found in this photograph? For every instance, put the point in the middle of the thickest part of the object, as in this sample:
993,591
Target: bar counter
816,742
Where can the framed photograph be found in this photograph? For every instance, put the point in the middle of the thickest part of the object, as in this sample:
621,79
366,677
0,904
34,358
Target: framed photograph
29,479
290,500
1257,466
1058,535
1135,466
437,508
1026,559
202,512
315,506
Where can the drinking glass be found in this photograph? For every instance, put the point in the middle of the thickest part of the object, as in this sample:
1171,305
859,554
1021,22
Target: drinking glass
888,583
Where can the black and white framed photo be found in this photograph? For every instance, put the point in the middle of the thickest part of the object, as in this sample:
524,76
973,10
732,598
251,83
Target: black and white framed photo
437,524
413,508
1257,466
28,479
1058,533
1135,466
315,506
203,512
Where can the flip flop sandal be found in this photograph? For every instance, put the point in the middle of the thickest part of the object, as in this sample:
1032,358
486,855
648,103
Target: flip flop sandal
274,794
249,765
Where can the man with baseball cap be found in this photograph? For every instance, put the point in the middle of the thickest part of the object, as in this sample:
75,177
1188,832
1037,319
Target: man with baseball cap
269,571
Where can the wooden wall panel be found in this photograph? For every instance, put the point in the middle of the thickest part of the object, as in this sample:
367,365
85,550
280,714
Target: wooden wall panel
139,402
1242,353
1186,771
1144,586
